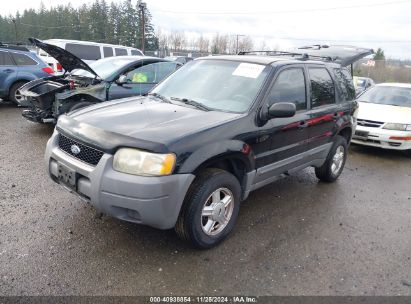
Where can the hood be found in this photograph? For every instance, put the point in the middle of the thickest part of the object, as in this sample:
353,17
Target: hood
384,113
68,61
146,121
342,54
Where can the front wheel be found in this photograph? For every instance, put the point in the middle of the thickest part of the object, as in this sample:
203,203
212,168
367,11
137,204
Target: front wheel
210,208
335,161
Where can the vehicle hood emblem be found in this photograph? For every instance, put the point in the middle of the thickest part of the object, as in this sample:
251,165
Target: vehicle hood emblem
75,149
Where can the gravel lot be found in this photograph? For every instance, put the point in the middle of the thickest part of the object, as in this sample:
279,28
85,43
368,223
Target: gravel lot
294,237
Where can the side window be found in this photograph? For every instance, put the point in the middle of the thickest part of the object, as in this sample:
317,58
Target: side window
5,59
289,87
346,84
151,73
121,52
22,60
107,51
136,53
82,51
144,74
322,87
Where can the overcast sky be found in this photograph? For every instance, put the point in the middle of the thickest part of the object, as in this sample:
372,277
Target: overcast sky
283,24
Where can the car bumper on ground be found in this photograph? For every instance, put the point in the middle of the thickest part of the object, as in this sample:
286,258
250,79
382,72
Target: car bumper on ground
152,201
382,138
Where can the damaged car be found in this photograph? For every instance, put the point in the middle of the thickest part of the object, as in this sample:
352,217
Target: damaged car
83,85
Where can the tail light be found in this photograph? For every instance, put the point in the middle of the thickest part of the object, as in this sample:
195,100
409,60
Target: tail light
48,70
59,67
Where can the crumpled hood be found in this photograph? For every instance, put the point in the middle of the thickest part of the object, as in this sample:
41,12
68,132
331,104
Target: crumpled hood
144,119
384,113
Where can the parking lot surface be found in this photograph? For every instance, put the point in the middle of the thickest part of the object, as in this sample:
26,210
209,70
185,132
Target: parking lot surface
294,237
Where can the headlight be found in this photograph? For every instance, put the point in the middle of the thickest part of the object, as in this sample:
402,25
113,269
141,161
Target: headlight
397,126
133,161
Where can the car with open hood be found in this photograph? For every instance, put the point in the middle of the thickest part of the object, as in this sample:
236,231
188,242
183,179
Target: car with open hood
190,152
85,84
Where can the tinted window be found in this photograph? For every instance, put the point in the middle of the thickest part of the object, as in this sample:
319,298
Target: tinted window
108,51
136,53
322,87
21,59
290,87
346,84
5,59
151,73
82,51
121,52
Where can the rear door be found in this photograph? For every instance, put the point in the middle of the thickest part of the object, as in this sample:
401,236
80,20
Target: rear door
325,108
142,79
288,136
8,72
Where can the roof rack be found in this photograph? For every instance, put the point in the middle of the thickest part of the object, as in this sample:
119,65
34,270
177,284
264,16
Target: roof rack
10,46
300,56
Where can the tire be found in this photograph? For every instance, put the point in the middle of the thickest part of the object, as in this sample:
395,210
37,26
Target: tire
14,94
79,105
191,224
334,164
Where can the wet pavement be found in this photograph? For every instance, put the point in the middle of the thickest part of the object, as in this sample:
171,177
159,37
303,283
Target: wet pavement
296,236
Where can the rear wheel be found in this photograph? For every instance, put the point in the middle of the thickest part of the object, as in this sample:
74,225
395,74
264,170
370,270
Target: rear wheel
14,94
335,162
210,209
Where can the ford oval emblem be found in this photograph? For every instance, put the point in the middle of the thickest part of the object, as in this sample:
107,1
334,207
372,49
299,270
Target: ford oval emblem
75,149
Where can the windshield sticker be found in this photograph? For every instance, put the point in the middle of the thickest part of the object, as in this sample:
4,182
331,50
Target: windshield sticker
248,70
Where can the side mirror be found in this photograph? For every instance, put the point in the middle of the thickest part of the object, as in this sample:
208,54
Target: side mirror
121,80
281,110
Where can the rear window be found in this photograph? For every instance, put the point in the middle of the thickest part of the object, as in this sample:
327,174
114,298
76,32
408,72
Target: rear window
23,60
87,52
121,52
108,51
5,59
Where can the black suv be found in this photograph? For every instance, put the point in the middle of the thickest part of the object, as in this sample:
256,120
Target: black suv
186,155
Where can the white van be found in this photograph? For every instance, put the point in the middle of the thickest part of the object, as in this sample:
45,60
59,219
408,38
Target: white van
87,51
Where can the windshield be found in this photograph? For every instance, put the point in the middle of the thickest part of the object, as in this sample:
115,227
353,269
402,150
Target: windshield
387,95
216,84
104,67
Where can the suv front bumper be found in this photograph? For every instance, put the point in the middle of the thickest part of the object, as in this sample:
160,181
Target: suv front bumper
152,201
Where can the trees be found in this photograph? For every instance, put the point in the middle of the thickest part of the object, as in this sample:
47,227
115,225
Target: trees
100,21
379,54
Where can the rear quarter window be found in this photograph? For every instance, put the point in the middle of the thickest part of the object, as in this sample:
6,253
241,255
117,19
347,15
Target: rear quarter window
5,59
23,60
83,51
136,53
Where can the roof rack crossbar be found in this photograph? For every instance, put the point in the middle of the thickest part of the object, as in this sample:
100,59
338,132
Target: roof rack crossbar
304,56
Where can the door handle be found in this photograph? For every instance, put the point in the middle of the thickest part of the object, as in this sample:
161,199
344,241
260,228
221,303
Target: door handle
8,70
303,125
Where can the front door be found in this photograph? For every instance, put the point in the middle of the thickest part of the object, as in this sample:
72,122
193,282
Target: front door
288,136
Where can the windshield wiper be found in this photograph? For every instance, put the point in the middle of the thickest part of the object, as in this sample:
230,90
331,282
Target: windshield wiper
191,103
161,97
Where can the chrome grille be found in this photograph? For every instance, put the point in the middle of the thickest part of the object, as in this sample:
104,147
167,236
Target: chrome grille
369,123
87,154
